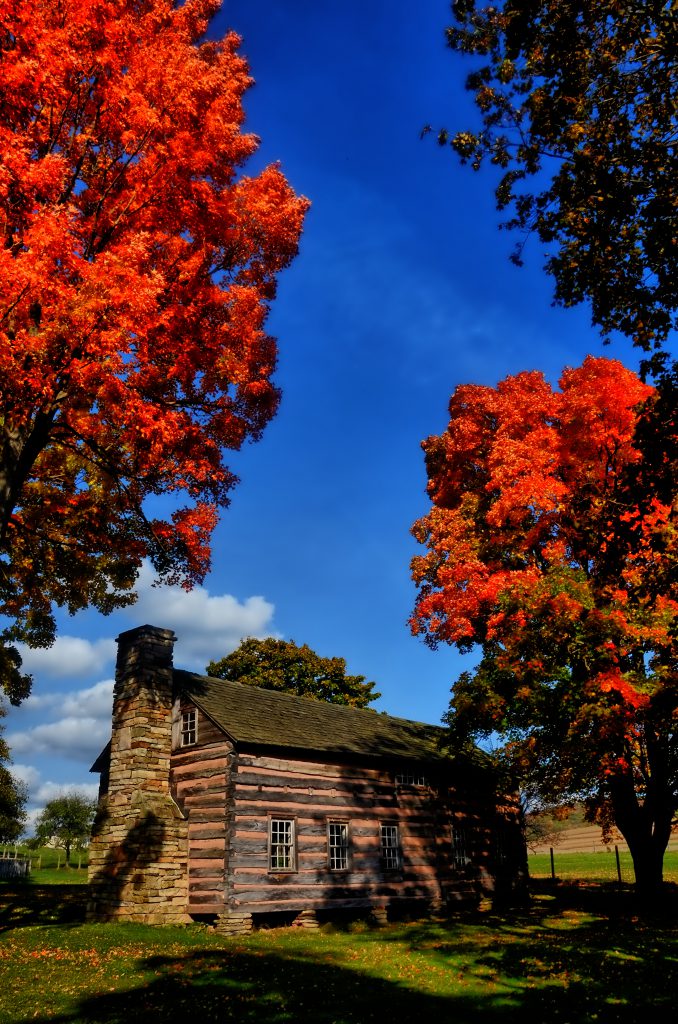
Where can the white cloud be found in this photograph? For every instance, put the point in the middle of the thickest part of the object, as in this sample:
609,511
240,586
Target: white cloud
68,657
32,814
94,701
42,793
27,774
77,738
37,702
49,790
207,625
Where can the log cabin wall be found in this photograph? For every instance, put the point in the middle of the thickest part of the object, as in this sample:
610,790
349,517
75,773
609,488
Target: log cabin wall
202,781
311,795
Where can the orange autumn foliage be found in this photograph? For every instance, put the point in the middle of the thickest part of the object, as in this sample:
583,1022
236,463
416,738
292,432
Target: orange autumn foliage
136,272
551,546
525,485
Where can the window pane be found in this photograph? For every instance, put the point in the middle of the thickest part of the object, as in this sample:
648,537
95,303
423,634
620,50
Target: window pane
390,847
282,844
189,731
337,845
407,779
460,847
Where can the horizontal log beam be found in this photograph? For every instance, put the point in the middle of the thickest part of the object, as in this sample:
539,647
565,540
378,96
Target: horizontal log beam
190,756
327,804
337,893
196,830
312,768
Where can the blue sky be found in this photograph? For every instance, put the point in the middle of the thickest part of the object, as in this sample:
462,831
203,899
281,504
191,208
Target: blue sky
402,290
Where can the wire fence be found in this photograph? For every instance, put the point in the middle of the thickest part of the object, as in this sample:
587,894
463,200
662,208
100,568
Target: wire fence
44,858
612,864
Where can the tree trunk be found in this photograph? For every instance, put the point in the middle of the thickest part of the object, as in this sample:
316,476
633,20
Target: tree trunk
646,827
19,450
648,864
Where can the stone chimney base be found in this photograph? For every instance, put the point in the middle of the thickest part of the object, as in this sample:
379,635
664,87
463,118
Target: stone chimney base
138,862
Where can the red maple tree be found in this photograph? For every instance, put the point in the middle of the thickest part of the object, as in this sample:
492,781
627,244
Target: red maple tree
552,545
136,273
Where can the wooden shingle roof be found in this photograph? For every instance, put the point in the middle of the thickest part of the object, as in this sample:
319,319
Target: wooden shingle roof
252,716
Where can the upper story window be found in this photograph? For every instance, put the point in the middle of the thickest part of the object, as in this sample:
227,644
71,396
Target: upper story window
409,779
390,847
189,728
282,854
337,845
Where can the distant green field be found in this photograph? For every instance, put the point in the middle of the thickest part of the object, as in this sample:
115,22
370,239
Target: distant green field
594,867
49,865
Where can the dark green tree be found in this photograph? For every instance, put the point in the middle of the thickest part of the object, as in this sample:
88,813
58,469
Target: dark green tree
13,796
283,665
66,820
577,105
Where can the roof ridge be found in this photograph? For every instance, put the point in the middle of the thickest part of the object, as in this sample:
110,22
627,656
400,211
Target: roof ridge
324,704
254,716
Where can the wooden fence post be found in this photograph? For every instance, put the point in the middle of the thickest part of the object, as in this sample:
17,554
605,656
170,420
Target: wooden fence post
553,866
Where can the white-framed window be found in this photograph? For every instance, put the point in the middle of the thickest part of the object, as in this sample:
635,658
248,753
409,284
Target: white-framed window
337,845
282,855
460,847
409,779
390,847
189,727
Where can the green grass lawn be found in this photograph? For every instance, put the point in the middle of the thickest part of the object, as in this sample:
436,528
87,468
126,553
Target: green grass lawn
48,865
578,953
600,866
47,857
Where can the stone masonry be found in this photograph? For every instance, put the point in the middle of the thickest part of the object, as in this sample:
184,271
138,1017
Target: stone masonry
139,850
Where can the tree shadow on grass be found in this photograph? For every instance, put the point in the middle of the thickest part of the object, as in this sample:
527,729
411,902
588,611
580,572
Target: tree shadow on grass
577,952
217,986
25,904
271,989
563,960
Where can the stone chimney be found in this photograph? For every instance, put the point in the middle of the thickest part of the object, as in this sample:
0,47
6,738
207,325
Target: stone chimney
138,855
141,743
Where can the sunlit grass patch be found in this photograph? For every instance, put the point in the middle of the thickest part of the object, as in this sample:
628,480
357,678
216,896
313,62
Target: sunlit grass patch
600,866
564,958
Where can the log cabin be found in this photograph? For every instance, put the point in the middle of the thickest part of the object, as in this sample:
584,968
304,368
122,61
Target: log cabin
223,802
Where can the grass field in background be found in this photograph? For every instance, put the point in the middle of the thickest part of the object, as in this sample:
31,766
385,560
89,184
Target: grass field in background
597,867
48,866
575,954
